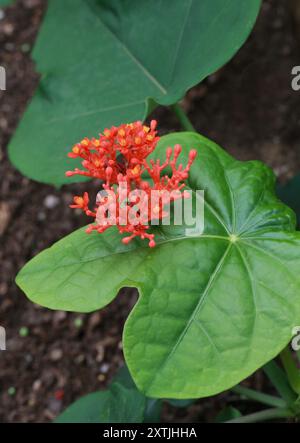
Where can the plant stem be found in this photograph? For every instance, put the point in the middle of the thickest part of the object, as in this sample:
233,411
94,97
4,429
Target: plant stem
279,379
293,373
268,400
268,414
183,118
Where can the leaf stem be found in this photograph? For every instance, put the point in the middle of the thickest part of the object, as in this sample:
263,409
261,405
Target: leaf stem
267,414
279,379
265,399
292,372
183,118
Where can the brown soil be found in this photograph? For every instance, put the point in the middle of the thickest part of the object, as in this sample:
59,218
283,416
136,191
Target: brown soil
248,107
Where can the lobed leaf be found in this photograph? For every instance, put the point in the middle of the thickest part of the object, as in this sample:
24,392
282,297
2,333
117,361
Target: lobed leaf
213,307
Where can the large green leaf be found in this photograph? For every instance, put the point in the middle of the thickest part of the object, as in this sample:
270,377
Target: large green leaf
105,62
213,307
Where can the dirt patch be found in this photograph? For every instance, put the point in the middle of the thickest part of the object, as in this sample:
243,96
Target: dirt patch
53,357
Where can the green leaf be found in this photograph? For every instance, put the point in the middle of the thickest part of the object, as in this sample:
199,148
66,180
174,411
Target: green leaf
153,406
118,404
279,379
228,413
107,62
5,3
85,410
124,378
213,307
290,194
153,410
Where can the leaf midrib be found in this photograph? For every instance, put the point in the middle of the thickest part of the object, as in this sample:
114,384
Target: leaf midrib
128,51
194,313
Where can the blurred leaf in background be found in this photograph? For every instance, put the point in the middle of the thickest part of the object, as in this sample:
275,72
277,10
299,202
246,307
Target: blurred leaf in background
6,2
106,62
117,404
121,402
290,194
228,413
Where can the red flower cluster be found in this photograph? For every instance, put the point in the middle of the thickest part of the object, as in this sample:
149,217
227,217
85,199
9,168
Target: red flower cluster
128,199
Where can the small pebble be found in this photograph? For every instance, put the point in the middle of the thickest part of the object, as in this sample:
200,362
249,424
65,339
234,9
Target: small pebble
59,316
56,354
51,201
94,320
3,123
41,216
36,385
104,368
3,289
100,352
8,29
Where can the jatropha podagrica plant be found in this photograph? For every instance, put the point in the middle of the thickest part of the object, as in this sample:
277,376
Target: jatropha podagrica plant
119,159
212,307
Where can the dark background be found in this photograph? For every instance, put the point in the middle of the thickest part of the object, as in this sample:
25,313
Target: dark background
53,358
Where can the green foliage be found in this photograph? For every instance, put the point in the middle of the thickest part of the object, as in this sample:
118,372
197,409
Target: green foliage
290,194
214,307
107,62
5,3
120,403
228,413
117,404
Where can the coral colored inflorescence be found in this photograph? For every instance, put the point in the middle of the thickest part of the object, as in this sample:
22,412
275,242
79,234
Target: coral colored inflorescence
118,159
